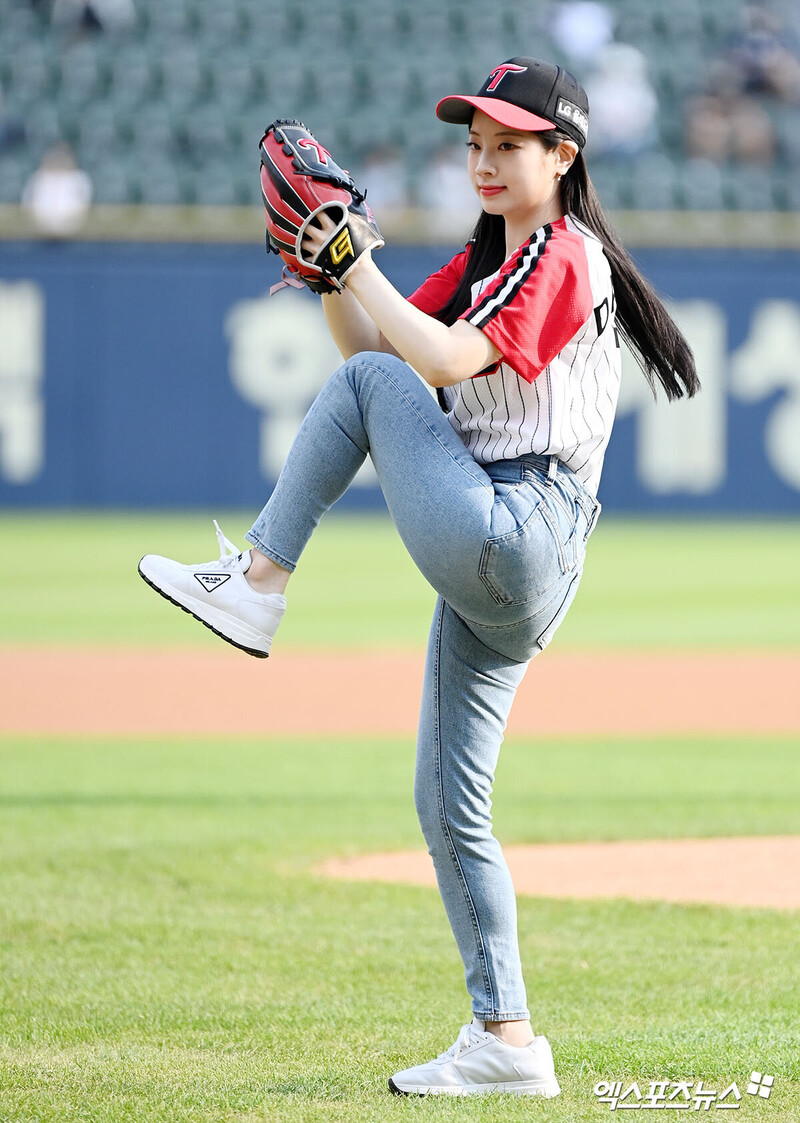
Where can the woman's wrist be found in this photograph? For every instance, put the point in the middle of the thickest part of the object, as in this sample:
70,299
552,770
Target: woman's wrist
359,271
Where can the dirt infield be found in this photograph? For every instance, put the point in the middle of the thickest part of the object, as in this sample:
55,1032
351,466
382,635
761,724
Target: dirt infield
753,872
119,692
123,691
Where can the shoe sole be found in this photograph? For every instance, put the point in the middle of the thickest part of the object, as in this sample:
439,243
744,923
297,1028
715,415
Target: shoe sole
185,608
547,1088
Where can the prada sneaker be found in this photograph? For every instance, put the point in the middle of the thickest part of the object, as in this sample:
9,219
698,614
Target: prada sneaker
479,1063
217,594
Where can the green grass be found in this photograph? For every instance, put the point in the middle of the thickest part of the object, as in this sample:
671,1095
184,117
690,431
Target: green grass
648,584
167,953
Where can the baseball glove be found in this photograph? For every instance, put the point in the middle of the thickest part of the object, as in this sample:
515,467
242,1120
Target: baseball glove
299,180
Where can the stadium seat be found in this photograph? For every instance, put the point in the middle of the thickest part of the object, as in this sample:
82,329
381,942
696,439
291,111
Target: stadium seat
160,184
135,76
786,190
85,73
15,168
99,128
702,186
196,74
234,82
219,25
606,184
33,72
42,126
155,129
748,188
185,79
786,121
653,182
248,188
216,186
114,183
206,134
175,19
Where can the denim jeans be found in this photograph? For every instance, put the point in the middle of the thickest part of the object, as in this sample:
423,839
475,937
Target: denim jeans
503,545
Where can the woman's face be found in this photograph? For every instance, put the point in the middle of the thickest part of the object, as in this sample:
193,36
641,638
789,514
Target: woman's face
512,171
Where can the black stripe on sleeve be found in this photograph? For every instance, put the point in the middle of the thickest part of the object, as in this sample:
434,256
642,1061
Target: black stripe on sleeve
500,296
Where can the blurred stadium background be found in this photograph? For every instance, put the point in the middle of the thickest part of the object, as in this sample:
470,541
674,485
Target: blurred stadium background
144,315
163,100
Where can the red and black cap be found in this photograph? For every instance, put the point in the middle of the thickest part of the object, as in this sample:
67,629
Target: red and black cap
526,94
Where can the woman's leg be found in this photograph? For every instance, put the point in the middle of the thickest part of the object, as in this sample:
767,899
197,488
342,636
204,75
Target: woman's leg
444,506
466,700
440,499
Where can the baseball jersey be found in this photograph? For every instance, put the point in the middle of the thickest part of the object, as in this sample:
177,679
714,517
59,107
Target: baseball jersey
550,311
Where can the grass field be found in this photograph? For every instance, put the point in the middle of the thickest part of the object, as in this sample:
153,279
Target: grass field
167,953
698,583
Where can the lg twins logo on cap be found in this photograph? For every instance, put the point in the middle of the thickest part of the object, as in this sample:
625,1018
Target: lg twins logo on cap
572,112
500,72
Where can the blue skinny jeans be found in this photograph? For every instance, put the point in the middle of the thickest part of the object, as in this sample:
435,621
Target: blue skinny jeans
503,545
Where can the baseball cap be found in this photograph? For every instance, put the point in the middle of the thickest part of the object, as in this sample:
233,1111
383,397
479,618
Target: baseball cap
526,94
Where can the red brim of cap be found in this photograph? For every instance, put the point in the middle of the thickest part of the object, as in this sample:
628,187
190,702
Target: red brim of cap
457,110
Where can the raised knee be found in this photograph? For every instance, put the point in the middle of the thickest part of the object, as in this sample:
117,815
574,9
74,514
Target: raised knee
367,364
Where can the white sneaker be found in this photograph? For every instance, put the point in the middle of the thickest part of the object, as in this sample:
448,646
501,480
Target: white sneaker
478,1063
217,594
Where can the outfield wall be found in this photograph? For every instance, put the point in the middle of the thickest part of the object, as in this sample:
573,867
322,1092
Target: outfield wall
141,375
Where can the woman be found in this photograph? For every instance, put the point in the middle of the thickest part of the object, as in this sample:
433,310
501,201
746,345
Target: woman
495,498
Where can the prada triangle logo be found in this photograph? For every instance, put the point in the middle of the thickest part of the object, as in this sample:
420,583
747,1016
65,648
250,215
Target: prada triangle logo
212,581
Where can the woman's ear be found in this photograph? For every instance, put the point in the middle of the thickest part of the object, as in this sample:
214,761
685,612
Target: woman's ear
564,157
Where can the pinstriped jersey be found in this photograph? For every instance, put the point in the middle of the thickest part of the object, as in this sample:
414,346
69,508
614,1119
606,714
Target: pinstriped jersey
550,311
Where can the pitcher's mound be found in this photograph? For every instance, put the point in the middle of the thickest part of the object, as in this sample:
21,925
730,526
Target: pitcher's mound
759,872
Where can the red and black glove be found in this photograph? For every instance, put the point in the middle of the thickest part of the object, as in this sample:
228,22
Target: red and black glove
299,181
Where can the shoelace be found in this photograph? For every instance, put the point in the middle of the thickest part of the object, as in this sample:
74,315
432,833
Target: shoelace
465,1038
228,553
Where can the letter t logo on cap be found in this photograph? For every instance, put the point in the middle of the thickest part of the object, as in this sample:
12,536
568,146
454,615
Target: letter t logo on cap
500,72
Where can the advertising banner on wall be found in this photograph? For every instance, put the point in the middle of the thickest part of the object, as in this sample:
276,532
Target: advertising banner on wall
166,376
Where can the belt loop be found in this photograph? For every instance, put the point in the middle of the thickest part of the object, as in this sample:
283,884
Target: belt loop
552,468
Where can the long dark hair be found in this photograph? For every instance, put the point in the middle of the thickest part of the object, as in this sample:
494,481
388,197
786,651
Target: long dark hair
657,343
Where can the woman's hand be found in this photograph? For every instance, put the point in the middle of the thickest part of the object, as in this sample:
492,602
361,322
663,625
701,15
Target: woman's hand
317,234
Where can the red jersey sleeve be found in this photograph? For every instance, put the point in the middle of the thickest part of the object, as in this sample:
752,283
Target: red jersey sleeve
538,300
434,293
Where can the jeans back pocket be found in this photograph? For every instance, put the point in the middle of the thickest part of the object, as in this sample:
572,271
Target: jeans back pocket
525,564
